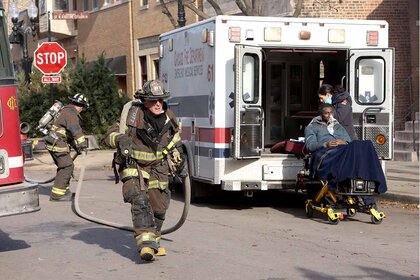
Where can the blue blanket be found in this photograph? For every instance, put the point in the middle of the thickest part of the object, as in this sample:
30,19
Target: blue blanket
358,159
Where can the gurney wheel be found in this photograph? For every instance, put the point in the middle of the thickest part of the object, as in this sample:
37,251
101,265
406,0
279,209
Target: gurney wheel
375,221
309,210
333,222
351,212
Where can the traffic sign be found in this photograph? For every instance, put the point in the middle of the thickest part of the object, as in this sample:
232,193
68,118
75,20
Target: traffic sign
50,58
51,79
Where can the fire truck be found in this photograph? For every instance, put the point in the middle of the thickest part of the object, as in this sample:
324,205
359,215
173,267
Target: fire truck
16,197
239,85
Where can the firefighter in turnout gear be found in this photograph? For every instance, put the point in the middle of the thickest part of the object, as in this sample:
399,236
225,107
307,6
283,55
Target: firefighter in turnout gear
146,144
65,132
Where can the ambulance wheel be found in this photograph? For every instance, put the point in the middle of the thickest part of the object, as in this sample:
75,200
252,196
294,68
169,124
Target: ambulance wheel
333,222
375,221
351,212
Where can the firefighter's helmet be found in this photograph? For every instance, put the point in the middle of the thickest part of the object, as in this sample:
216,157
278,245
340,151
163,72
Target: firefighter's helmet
80,100
152,90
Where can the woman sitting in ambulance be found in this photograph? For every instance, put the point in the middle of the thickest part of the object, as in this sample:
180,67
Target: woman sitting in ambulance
335,157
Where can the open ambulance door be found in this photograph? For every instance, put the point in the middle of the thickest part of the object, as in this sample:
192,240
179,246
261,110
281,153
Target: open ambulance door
371,85
249,116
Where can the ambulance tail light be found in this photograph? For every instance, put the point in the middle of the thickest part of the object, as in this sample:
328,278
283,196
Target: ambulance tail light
234,34
372,38
380,139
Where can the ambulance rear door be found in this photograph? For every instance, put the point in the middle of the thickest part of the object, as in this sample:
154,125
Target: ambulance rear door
248,113
371,85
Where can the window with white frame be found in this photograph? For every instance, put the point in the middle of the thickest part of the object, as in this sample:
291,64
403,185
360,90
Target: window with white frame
144,3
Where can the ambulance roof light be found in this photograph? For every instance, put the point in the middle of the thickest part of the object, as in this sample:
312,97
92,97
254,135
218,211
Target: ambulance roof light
372,38
234,34
336,36
204,35
160,51
170,44
304,35
272,34
210,40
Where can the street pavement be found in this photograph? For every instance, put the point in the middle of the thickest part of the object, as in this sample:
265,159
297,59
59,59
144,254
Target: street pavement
402,177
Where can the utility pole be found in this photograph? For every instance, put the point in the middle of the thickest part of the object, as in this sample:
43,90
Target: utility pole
181,13
49,40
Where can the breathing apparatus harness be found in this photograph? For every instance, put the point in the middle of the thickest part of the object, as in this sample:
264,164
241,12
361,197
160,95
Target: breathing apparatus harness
124,156
179,170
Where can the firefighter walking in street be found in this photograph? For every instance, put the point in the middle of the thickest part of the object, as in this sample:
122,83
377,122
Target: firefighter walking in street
147,143
65,132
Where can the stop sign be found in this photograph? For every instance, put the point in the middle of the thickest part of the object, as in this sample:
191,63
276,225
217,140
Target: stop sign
50,58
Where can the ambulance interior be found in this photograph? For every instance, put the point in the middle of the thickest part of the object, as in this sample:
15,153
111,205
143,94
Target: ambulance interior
291,81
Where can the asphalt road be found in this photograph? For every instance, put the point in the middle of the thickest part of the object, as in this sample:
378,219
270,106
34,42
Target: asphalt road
224,237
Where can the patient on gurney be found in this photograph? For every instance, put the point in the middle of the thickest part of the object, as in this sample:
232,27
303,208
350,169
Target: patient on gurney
334,157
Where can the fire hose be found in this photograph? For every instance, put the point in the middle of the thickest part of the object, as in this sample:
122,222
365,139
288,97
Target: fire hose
80,213
187,197
33,181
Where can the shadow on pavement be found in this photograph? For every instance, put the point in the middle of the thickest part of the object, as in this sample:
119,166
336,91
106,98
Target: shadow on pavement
121,242
9,244
370,273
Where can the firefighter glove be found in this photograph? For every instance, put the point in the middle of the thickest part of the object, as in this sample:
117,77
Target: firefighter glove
176,157
124,145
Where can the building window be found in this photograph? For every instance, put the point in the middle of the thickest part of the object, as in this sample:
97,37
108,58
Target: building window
85,5
61,5
144,3
143,70
95,4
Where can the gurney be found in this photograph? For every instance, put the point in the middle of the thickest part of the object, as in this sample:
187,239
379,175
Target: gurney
340,189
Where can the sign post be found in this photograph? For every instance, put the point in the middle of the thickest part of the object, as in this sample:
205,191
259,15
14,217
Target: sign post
50,58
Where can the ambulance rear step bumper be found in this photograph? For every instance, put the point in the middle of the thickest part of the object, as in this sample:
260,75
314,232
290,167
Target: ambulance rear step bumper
19,199
258,185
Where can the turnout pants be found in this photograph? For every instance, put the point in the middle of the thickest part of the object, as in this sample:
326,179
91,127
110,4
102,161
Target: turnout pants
65,167
148,210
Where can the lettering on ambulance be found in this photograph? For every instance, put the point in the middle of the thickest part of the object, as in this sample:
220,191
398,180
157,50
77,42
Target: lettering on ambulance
217,139
183,63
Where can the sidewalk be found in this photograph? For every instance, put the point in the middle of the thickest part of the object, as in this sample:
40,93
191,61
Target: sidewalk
402,177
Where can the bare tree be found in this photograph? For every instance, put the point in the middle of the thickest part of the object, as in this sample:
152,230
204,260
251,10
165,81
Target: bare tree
247,7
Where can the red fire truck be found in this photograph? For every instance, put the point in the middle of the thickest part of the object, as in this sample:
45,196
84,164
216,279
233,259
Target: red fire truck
16,197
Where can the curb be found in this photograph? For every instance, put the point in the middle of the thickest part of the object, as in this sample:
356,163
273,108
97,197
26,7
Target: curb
400,198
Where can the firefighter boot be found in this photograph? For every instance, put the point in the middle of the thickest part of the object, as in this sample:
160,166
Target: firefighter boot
68,196
161,251
146,242
147,254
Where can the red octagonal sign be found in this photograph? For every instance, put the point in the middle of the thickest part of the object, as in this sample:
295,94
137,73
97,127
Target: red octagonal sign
50,58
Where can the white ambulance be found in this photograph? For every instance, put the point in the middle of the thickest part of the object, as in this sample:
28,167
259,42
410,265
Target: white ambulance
241,84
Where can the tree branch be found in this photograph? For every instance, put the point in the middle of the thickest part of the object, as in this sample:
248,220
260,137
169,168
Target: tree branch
298,8
216,7
166,12
195,10
243,7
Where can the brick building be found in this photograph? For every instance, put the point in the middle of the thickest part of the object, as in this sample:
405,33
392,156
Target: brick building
403,19
148,23
127,32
